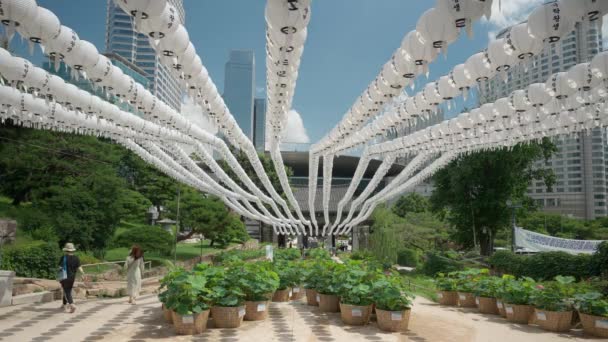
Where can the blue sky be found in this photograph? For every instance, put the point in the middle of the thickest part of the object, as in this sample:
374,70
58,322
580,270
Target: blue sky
348,42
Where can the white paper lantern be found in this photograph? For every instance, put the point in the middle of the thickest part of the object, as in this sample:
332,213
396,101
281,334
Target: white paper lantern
447,88
583,77
83,56
62,44
599,65
101,71
14,13
462,77
403,64
175,42
526,46
519,101
15,68
421,50
464,12
479,67
287,15
431,94
547,22
501,55
434,25
36,79
142,9
43,28
537,94
158,27
560,85
591,10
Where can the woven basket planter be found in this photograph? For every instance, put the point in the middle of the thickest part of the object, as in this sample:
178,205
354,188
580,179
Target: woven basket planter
281,295
501,308
311,297
553,320
447,297
297,293
466,300
393,320
487,305
594,325
355,314
519,313
227,317
190,324
328,303
167,314
256,311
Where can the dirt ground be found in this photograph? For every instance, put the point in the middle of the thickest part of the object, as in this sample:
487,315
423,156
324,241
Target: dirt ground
115,320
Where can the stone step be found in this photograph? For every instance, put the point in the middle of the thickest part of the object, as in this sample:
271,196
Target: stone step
36,297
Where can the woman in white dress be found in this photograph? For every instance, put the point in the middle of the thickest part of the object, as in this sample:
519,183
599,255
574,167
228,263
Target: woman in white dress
135,270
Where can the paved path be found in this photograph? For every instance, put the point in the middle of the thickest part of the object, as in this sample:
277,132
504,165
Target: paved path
114,320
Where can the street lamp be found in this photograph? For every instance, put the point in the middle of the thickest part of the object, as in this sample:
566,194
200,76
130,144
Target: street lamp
513,206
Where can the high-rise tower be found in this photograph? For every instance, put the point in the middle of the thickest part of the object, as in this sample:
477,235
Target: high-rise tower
122,40
239,88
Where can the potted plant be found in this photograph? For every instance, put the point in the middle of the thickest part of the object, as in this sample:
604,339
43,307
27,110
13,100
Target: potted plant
501,289
288,277
554,304
162,297
187,296
517,300
355,293
297,289
465,284
328,285
446,284
227,296
311,271
393,304
593,311
485,295
258,282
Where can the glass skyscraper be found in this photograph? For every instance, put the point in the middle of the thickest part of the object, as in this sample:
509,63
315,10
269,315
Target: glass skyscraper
135,47
259,124
239,88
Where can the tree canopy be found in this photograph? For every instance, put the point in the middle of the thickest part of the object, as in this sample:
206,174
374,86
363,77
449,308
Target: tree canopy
472,191
411,203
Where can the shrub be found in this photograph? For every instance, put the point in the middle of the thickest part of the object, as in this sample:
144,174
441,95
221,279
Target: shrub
446,282
238,255
591,304
407,257
600,260
86,259
290,274
439,263
149,238
38,259
362,255
287,254
356,283
317,253
545,265
519,292
555,296
258,280
389,294
187,293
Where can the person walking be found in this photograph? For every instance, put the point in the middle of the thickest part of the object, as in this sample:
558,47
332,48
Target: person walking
69,264
135,270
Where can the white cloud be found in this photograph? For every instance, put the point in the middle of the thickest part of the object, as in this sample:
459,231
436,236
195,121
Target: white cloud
195,114
507,13
294,131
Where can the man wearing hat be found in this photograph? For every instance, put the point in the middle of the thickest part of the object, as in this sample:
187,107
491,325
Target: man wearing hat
69,264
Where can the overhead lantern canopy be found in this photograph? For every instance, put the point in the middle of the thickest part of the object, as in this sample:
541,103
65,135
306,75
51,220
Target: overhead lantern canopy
158,27
525,45
84,56
463,12
560,85
548,22
101,71
61,45
287,16
44,27
479,67
14,13
175,42
434,25
421,50
142,10
502,55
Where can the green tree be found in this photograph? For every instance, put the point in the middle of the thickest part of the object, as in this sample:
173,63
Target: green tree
208,216
472,190
411,203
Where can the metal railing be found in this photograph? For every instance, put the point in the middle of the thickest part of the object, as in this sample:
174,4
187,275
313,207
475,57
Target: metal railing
147,265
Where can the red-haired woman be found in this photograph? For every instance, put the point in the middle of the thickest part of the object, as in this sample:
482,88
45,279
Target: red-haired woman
135,270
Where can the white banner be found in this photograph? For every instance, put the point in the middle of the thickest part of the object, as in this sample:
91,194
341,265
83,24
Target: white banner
536,242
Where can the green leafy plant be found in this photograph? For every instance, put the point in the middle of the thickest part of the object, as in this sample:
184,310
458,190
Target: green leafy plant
591,303
329,281
317,253
487,287
225,284
555,296
290,274
446,282
389,294
312,269
258,280
187,293
501,286
519,292
356,283
468,279
287,254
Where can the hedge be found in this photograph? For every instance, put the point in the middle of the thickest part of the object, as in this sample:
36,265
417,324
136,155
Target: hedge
544,265
407,257
440,263
38,259
149,238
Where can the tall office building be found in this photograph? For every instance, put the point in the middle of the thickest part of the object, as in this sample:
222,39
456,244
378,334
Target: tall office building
135,47
259,124
239,88
581,161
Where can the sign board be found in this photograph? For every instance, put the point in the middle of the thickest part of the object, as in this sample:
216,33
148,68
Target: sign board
537,242
269,252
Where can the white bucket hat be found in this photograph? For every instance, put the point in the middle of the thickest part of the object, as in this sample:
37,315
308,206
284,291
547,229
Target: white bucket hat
69,247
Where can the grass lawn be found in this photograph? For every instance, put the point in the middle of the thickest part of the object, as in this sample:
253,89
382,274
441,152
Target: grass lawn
421,285
184,252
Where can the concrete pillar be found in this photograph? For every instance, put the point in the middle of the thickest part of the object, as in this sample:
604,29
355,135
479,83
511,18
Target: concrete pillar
6,288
